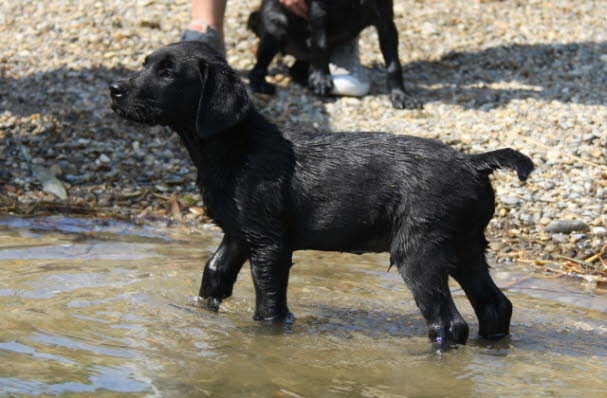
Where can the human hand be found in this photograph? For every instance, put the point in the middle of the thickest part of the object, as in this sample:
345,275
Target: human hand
298,7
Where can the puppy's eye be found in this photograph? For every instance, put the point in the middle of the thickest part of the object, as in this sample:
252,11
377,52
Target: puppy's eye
165,73
165,69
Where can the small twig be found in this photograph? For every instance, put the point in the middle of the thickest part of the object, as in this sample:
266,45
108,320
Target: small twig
555,271
598,256
159,196
536,262
573,260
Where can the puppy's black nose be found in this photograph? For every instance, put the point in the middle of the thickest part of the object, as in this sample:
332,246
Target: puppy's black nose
118,90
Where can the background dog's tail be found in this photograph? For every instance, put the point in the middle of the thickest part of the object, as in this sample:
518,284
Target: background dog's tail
254,22
489,161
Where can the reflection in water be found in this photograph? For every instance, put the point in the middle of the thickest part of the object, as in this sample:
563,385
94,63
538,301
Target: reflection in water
99,310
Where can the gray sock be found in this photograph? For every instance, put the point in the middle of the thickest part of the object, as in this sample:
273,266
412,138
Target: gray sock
210,37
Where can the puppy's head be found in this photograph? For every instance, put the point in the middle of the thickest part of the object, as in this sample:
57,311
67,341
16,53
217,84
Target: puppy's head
185,85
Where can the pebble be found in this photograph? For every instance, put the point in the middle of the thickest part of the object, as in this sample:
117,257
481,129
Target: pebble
566,226
599,231
561,238
545,220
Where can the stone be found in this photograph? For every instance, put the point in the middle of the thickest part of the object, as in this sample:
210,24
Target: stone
566,226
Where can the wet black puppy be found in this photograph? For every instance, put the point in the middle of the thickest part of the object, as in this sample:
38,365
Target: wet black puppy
331,23
274,192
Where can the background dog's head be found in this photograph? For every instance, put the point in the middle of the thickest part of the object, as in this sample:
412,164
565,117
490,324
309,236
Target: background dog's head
185,85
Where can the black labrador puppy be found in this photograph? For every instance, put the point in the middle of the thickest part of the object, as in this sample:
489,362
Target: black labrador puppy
274,192
331,23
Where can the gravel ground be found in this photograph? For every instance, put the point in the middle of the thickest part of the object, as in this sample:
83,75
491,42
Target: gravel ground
526,74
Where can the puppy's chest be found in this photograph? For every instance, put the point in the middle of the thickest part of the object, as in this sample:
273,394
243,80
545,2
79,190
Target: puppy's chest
346,19
218,201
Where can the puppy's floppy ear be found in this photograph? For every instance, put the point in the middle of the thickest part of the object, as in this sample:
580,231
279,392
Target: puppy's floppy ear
223,100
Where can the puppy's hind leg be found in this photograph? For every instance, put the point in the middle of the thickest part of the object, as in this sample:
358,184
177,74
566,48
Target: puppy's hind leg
492,307
425,271
220,273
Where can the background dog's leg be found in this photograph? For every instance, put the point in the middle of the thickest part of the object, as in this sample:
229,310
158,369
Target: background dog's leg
220,273
299,72
319,78
425,272
388,41
270,270
269,46
491,306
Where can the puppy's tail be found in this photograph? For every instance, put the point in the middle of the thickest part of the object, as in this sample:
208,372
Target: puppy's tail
254,22
488,162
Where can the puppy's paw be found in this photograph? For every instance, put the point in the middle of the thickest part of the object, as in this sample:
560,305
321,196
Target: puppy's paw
403,100
262,87
208,303
320,82
284,318
449,334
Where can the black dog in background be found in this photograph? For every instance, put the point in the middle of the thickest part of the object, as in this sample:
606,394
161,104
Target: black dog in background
274,192
331,23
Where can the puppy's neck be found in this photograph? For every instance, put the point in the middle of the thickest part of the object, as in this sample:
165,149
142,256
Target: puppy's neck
252,133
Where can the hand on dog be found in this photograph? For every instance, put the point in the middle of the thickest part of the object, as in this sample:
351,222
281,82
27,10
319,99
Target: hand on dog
297,7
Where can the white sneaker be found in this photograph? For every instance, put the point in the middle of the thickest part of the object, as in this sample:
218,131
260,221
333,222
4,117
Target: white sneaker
349,77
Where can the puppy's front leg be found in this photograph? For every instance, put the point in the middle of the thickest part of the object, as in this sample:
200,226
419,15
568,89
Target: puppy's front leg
269,46
220,273
319,78
388,41
270,270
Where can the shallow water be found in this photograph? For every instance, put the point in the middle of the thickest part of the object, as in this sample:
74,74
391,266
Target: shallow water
90,309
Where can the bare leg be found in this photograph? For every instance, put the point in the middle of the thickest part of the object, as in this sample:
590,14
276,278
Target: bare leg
207,13
207,23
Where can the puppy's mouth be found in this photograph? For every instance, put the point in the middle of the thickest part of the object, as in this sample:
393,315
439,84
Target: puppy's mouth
139,113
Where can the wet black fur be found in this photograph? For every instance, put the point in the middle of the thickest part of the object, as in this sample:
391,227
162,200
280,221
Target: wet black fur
273,192
330,23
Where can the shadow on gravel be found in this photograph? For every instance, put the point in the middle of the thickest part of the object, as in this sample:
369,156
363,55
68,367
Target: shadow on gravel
573,72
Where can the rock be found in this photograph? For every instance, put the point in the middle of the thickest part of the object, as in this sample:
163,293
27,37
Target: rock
498,246
561,238
566,226
511,200
56,169
599,231
545,220
49,182
577,237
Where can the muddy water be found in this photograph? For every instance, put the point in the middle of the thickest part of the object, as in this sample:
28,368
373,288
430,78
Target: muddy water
92,309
